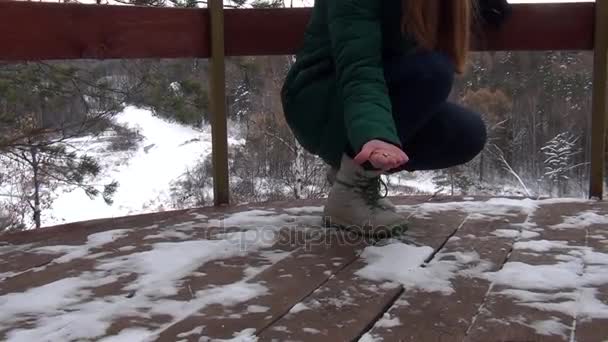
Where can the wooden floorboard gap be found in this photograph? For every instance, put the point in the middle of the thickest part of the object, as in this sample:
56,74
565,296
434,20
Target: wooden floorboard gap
430,258
479,309
279,317
372,323
491,287
578,298
438,249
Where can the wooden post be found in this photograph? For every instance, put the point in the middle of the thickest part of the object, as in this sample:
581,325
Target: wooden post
217,87
600,102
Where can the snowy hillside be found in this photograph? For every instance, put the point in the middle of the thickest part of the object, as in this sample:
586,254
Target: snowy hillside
144,175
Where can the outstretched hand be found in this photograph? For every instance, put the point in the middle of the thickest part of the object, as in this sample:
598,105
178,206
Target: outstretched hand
381,155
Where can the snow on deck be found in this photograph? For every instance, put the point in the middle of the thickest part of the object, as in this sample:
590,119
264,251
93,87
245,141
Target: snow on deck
479,269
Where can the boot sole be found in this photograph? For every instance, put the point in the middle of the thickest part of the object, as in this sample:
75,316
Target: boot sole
367,232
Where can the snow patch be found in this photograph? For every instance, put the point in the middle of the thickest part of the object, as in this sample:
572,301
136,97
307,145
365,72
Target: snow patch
527,234
246,335
162,267
506,233
79,251
304,210
298,308
266,220
387,322
480,209
572,282
369,337
541,245
538,277
435,277
550,327
311,331
257,308
129,335
583,220
169,234
281,328
195,331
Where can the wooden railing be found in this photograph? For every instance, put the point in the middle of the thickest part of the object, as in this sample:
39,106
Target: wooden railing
48,31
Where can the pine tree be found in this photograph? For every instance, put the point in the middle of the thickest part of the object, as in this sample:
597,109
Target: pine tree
453,180
559,153
442,181
42,108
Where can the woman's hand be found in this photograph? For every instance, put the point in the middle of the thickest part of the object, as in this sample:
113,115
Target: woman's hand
381,155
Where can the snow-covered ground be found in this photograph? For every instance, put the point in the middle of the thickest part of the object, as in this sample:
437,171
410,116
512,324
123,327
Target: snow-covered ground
144,175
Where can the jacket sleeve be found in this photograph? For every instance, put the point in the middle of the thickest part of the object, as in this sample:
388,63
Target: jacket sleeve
356,38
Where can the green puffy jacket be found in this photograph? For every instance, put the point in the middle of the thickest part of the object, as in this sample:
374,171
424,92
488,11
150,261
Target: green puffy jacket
335,93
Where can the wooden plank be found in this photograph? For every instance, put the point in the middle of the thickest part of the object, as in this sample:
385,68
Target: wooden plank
217,105
526,311
213,274
344,308
265,32
34,31
434,315
546,26
599,116
45,31
79,230
14,262
139,237
287,283
597,240
17,257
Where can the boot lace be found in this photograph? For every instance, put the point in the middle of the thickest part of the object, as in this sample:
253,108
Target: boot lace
369,188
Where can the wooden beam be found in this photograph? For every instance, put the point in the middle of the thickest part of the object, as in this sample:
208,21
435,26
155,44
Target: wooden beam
47,31
599,114
548,26
217,86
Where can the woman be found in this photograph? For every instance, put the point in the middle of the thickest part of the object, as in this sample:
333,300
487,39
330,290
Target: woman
368,92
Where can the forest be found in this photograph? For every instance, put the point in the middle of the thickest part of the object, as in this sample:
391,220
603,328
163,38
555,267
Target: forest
536,106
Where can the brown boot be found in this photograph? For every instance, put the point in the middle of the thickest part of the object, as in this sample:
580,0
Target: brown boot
385,202
354,203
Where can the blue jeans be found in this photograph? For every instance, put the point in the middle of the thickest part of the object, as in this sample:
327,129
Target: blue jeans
435,133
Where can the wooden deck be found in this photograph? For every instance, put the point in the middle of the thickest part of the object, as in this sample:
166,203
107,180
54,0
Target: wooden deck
472,270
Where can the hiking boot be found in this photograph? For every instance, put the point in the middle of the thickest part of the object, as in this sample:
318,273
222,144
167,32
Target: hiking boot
384,202
354,203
